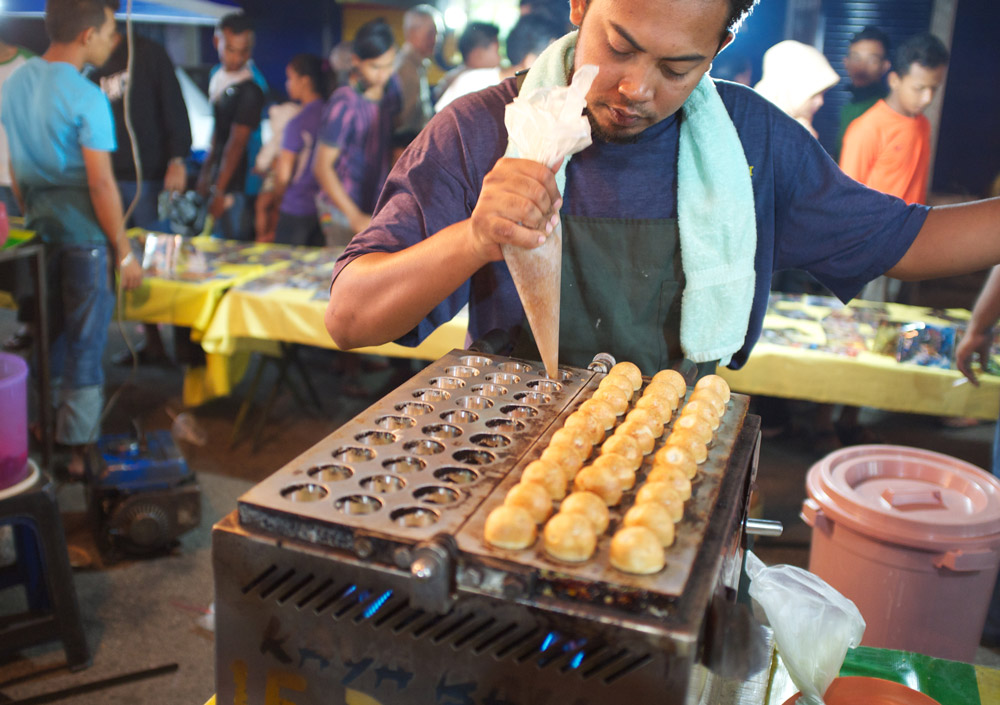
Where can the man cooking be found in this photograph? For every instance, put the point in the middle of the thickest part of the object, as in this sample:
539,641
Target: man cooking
671,231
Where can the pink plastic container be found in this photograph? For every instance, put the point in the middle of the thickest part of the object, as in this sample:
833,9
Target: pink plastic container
913,538
13,420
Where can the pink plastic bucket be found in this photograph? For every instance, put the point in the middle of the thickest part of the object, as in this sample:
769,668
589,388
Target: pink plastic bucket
910,536
13,420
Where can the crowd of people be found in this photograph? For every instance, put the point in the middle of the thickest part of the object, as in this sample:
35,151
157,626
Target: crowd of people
122,155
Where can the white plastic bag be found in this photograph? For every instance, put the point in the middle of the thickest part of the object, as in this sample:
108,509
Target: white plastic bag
548,123
813,624
545,126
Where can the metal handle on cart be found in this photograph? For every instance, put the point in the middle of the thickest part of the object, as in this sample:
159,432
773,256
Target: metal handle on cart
433,574
602,362
763,527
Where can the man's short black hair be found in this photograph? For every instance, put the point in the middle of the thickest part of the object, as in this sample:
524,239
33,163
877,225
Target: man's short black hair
530,35
739,10
310,66
373,39
924,49
478,35
236,23
874,34
65,19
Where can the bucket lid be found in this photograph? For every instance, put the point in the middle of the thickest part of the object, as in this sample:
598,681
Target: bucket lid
865,690
907,495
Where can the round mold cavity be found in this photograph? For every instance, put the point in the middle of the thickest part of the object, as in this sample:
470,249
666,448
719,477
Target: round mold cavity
331,473
490,440
358,504
489,390
414,517
414,408
353,454
502,378
383,484
471,456
432,394
460,416
562,375
436,494
514,367
475,360
519,411
533,397
461,371
391,422
404,464
447,382
457,476
546,386
474,403
426,446
376,438
305,492
505,425
442,430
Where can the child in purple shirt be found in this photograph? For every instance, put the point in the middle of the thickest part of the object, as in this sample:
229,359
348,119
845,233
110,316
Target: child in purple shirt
354,150
298,223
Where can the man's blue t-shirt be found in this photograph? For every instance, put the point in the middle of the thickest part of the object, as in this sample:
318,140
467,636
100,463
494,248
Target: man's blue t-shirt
809,214
51,112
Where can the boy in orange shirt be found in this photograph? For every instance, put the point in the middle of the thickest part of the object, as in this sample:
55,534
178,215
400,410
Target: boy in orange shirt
888,148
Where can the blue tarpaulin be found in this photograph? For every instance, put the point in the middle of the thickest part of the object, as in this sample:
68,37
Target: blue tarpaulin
200,12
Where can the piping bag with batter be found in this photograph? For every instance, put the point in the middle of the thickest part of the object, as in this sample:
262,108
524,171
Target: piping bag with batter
546,125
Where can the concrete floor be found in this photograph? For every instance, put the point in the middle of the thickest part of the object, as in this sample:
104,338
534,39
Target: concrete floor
142,614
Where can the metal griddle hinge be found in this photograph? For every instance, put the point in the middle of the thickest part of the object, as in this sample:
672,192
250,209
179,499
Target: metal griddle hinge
433,574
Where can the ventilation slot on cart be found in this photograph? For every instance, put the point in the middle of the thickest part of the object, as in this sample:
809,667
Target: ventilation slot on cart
354,599
491,640
518,641
406,621
478,629
270,589
325,585
450,628
633,665
391,612
373,607
603,660
295,589
435,620
559,651
259,579
534,647
341,594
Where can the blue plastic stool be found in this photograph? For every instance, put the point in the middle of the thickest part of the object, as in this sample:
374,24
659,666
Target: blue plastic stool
42,569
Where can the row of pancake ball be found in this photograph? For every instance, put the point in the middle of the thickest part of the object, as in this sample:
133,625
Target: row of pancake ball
648,526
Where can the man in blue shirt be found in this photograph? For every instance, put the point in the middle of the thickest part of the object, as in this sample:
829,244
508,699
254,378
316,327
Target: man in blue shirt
453,199
61,136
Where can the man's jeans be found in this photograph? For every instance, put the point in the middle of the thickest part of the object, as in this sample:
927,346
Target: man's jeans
81,302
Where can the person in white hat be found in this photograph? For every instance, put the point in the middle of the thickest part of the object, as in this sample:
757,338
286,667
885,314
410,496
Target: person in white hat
795,78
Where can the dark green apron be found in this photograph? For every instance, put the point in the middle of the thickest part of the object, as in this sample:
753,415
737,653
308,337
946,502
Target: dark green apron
622,282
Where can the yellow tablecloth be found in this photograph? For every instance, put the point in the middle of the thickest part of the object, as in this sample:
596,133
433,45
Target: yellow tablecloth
17,235
186,278
248,319
864,379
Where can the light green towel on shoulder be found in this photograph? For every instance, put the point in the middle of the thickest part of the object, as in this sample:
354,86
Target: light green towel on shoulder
715,212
